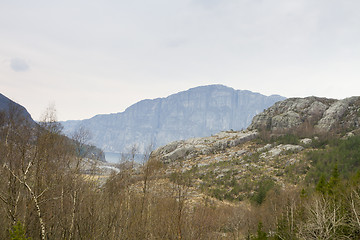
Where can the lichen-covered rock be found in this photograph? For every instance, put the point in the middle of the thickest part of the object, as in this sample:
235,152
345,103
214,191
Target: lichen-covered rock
276,151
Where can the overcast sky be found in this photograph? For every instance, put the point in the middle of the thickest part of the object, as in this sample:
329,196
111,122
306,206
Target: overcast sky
89,57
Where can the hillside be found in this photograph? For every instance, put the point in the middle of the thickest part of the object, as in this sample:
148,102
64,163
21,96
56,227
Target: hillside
10,107
303,146
197,112
274,146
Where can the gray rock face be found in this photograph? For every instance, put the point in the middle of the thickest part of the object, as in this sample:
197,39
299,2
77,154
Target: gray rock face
285,120
335,112
197,112
321,114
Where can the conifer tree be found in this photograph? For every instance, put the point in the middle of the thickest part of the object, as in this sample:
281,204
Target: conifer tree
17,232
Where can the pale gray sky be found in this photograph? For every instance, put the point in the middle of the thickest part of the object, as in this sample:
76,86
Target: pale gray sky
90,57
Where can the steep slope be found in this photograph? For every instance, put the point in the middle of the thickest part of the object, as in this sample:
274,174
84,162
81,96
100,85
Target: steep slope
8,106
197,112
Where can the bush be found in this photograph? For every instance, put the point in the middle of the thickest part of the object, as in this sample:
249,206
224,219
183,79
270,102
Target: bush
287,139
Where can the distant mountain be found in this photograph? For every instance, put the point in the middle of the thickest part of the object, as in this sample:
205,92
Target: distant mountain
197,112
8,106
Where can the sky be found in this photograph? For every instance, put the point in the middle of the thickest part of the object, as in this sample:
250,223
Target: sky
90,57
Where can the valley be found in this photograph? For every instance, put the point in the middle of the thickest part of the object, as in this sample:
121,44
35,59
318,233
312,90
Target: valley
292,174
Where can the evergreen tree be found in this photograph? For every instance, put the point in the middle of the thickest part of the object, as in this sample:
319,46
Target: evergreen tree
334,181
321,186
17,232
260,234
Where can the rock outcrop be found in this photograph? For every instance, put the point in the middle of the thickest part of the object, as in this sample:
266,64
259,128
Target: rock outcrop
197,112
277,150
194,147
317,115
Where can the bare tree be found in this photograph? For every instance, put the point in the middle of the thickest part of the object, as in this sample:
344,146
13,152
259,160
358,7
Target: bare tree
324,220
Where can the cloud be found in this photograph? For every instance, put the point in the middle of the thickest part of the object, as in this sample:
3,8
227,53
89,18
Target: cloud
19,65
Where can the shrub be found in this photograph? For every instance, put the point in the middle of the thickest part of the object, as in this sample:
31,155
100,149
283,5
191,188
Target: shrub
17,232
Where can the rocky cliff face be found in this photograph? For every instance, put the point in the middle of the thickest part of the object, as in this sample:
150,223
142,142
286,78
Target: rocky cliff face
197,112
313,114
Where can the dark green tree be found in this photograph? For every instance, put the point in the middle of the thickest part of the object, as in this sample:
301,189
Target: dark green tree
322,186
334,181
260,234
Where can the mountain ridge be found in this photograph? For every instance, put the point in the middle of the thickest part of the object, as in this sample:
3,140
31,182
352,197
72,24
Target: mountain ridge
162,98
196,112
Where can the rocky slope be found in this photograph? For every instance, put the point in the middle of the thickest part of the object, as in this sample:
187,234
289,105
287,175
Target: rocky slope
240,165
234,166
197,112
191,148
294,115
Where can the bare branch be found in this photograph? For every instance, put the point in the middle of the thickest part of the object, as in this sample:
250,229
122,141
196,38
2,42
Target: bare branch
3,199
38,196
27,168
